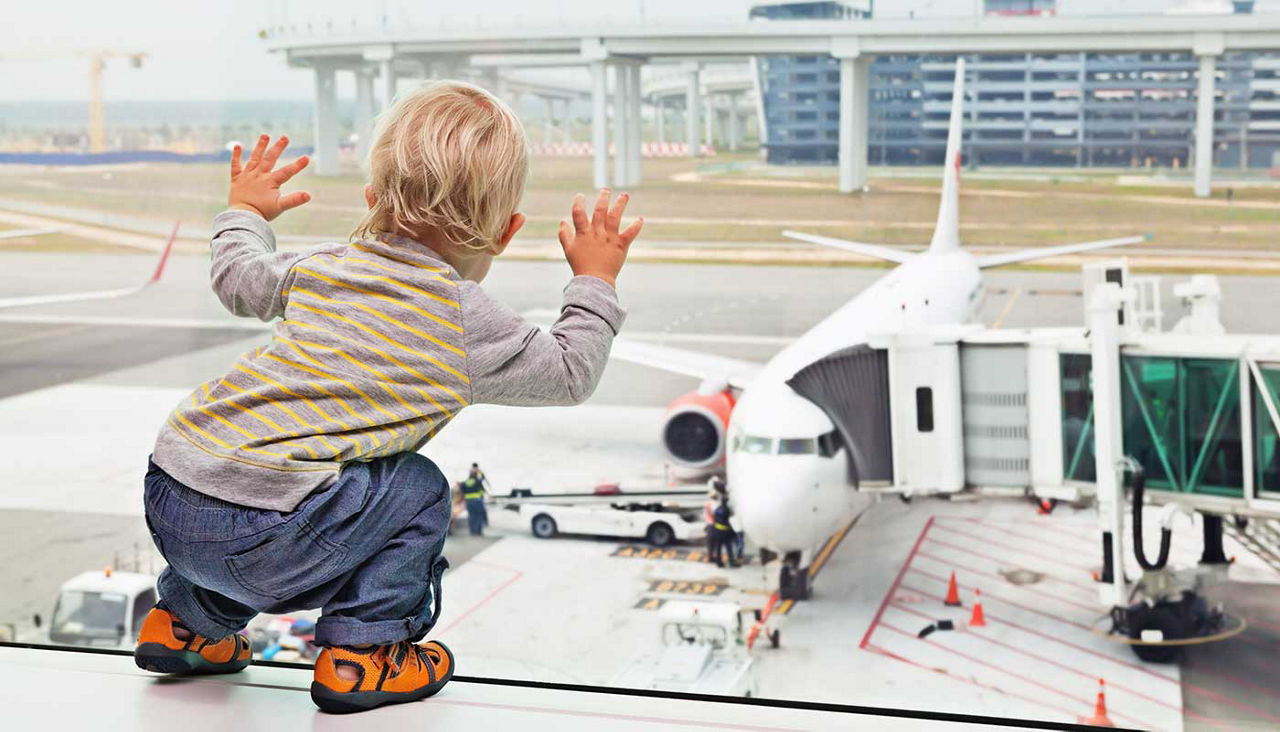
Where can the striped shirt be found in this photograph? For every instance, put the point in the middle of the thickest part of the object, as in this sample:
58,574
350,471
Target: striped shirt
378,345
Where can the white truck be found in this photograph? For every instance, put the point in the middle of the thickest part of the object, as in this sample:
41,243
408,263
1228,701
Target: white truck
101,609
702,651
659,525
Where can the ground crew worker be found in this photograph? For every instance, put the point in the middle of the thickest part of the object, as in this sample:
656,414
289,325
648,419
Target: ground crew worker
473,490
723,537
715,494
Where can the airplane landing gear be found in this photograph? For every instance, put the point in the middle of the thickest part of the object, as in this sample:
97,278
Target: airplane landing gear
793,580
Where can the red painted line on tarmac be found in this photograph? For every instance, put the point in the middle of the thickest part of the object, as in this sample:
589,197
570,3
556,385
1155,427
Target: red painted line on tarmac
518,574
1021,550
1005,561
1056,527
1076,547
1051,662
998,578
1002,599
1056,639
866,637
1189,687
1083,704
1071,714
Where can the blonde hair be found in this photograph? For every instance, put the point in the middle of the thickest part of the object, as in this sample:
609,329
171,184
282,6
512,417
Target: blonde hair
450,157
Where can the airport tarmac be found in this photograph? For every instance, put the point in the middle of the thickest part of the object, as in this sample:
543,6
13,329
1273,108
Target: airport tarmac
86,385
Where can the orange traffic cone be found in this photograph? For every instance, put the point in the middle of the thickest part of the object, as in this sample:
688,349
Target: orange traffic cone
977,620
953,595
1099,718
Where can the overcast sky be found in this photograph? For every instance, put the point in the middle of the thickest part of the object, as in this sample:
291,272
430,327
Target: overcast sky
201,50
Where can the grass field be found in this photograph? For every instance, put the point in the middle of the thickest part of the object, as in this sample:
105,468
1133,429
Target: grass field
733,198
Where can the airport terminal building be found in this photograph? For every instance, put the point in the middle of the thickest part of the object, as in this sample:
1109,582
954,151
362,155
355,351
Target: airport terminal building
1070,109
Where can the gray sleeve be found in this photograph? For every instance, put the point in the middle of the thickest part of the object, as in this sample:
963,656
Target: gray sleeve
249,275
512,361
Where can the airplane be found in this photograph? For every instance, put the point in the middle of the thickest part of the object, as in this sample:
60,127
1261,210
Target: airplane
798,436
15,302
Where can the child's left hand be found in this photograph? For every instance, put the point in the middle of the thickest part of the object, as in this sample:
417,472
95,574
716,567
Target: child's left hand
255,187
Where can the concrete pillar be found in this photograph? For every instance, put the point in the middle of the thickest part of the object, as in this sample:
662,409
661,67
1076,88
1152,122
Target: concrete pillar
1204,123
599,133
365,110
548,118
692,106
635,121
734,118
388,78
325,121
852,158
708,122
621,135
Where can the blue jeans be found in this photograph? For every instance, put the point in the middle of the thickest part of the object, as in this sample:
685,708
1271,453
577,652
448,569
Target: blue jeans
366,550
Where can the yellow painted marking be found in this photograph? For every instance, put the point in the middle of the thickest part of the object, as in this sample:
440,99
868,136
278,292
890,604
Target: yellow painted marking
1008,307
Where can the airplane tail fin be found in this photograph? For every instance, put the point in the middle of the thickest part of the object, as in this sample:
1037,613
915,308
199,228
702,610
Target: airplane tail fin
946,234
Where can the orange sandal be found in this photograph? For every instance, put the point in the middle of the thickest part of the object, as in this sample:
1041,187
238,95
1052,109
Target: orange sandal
161,651
389,674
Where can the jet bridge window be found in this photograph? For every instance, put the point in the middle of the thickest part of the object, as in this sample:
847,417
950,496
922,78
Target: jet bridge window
1266,446
802,446
1181,420
1076,371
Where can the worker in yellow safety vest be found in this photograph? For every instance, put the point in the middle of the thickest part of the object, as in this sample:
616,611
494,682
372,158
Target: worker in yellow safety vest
721,536
473,490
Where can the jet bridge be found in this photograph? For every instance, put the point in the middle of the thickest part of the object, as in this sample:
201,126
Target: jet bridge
971,407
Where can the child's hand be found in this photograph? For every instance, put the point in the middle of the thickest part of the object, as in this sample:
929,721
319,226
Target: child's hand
255,187
596,247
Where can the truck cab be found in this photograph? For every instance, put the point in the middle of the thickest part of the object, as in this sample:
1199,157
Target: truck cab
102,609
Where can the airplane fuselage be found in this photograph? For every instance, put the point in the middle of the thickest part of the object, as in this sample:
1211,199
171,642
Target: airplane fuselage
790,490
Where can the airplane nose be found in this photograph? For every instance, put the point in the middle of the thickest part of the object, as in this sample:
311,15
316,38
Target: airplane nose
762,500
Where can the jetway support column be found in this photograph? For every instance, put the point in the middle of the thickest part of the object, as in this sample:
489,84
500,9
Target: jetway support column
660,116
325,123
854,78
635,125
621,118
599,133
734,133
1106,303
692,107
365,110
1207,49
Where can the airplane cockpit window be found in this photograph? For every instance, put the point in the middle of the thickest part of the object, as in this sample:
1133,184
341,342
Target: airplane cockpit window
756,445
797,446
829,444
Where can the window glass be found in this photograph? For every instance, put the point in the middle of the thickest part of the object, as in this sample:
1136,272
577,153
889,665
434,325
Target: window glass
142,604
803,446
757,445
924,409
1076,374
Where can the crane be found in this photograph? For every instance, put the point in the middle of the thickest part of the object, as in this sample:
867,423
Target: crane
97,64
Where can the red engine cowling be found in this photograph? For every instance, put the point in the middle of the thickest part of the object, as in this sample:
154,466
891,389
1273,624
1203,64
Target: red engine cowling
696,430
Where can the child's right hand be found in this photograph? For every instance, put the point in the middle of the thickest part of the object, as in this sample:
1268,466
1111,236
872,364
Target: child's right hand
255,187
596,247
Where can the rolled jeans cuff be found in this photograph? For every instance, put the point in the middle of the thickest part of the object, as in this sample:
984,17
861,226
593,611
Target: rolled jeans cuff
177,598
342,631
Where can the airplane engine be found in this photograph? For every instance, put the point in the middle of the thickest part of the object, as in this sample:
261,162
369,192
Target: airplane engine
695,432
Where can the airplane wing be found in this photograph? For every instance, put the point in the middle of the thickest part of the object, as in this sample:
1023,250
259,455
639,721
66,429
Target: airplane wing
1026,255
14,302
878,251
734,372
18,233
